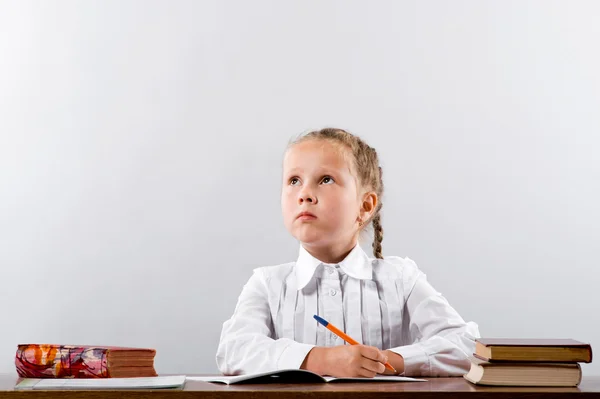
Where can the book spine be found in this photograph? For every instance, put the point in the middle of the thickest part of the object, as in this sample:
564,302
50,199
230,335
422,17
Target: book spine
51,361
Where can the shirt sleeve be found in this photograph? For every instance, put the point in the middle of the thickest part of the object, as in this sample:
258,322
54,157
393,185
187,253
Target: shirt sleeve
247,345
440,341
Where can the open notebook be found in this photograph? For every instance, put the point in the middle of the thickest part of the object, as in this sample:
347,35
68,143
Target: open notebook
293,376
175,381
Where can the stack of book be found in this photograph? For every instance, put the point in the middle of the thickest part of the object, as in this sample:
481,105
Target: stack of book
528,362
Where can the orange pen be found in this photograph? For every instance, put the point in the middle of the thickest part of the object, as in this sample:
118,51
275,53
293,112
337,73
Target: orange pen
345,337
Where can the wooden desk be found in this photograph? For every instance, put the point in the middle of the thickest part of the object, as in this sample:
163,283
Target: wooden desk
434,388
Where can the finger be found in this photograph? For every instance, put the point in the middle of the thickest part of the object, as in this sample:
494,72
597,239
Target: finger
366,373
370,352
372,366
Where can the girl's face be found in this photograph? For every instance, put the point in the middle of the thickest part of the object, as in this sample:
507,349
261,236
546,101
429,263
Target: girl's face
319,196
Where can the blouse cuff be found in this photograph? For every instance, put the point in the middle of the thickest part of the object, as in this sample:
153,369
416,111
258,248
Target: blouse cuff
416,361
293,355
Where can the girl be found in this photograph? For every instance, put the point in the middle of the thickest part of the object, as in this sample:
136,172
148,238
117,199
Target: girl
332,190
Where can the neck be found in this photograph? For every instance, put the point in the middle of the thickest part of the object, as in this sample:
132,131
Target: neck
331,253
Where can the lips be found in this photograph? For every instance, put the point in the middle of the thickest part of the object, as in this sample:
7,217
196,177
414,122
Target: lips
306,216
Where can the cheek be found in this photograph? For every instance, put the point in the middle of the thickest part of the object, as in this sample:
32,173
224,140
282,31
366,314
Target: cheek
343,209
287,202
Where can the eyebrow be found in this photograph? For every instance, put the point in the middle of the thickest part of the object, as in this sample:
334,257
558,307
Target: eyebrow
322,171
294,171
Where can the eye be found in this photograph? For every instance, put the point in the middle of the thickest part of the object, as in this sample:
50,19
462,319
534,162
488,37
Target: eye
294,181
327,180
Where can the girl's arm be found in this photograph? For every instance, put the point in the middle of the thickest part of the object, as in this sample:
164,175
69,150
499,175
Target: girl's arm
246,344
439,341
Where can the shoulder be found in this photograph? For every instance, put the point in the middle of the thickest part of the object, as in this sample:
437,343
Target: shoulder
396,267
274,273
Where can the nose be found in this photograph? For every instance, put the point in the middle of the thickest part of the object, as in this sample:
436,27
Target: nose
308,197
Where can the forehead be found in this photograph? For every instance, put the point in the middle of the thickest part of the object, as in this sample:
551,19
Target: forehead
312,154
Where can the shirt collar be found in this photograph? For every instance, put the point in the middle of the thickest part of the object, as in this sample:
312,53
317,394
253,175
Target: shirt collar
357,265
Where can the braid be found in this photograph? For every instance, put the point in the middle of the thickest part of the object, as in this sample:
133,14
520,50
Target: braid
377,236
377,229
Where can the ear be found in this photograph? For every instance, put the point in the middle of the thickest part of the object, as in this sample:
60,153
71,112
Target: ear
368,205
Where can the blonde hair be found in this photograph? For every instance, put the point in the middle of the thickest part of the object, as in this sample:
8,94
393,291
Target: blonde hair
366,163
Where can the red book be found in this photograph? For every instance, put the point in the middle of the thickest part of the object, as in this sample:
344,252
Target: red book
83,361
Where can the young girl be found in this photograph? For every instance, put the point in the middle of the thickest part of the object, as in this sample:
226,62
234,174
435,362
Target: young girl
332,190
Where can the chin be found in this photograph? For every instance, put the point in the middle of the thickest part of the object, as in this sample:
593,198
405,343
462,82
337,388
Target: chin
310,237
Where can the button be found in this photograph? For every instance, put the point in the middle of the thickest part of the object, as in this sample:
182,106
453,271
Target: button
330,270
332,292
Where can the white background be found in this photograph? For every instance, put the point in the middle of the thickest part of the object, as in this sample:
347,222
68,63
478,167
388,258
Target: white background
141,146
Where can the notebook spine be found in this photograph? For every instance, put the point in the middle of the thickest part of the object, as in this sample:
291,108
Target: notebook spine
51,361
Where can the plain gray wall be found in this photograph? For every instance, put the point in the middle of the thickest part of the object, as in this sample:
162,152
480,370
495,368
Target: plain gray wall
141,144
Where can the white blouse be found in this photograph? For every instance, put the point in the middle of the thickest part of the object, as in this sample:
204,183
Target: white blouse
386,303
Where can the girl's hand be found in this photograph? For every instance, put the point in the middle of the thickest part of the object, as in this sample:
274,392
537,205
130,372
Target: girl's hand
396,360
346,361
